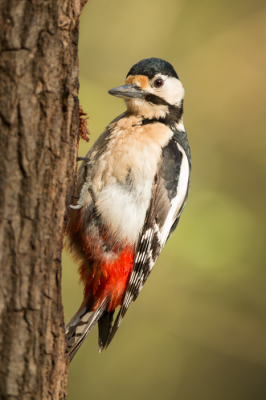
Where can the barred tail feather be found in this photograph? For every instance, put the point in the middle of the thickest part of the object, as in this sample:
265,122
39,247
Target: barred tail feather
81,325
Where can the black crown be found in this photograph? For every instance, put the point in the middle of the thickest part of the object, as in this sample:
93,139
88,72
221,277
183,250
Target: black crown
151,67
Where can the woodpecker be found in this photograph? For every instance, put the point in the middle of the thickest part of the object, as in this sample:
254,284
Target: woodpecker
133,185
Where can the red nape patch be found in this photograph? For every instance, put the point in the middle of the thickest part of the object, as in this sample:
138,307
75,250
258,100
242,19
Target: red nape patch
108,278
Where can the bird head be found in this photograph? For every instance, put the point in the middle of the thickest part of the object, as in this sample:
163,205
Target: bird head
152,89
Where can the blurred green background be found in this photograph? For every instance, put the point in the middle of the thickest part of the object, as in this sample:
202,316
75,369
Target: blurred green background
198,329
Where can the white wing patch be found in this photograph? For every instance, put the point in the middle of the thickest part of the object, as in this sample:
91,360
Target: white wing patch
177,201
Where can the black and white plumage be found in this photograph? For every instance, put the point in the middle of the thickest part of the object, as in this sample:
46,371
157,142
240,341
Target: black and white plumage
135,192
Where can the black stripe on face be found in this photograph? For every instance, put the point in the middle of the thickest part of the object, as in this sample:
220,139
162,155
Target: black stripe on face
158,101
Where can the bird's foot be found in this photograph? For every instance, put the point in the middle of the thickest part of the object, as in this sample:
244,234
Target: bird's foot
87,186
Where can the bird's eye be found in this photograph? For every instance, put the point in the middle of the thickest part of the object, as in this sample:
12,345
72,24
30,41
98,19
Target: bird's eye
158,82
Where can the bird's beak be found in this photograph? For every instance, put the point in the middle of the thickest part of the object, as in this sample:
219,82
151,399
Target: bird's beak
127,92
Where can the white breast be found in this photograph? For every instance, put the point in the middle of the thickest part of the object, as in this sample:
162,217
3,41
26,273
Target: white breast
128,151
123,207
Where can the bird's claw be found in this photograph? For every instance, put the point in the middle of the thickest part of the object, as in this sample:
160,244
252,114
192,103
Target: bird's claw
87,186
83,159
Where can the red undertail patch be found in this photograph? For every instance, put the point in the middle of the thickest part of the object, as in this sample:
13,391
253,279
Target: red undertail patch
108,279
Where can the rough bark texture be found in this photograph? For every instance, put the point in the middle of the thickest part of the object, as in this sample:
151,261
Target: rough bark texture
38,149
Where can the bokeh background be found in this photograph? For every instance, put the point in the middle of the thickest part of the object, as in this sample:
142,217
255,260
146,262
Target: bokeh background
198,329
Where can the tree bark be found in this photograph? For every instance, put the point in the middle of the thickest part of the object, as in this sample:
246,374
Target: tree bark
38,148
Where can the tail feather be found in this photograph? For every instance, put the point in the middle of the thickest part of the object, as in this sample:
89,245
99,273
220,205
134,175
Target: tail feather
105,326
81,325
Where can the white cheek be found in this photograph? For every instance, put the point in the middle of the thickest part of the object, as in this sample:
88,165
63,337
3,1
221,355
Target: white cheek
172,91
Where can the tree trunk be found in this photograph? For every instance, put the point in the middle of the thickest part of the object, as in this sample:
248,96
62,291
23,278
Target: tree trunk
38,149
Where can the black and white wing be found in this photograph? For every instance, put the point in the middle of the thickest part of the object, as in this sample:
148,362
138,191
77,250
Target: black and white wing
169,194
